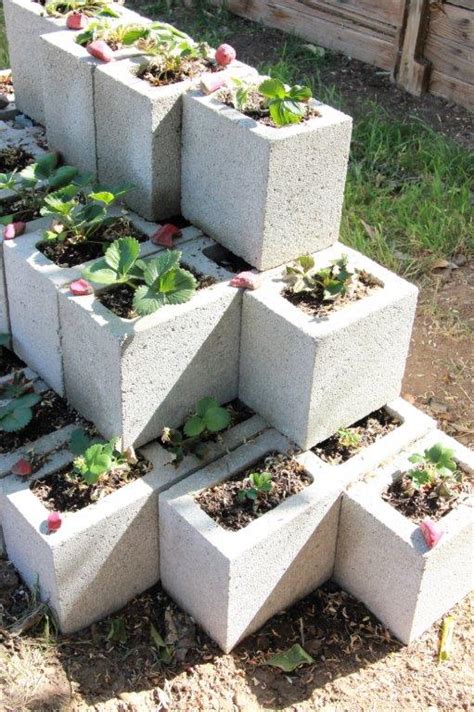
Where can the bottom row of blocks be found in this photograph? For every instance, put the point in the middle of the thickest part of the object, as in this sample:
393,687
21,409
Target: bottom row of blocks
232,582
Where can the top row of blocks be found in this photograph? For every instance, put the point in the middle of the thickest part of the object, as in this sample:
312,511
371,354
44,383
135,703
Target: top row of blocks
267,194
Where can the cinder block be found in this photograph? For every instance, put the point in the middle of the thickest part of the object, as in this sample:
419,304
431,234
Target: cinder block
132,377
100,558
69,93
33,282
25,22
290,180
142,122
232,582
413,425
382,557
310,376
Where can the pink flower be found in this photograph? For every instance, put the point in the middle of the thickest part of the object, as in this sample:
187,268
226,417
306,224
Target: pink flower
212,82
81,288
22,468
165,234
76,21
100,50
14,229
245,280
54,521
225,54
431,532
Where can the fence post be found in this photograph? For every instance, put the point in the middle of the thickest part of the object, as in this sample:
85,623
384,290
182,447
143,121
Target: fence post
413,71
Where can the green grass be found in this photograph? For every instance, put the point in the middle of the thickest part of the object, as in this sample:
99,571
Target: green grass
407,199
3,42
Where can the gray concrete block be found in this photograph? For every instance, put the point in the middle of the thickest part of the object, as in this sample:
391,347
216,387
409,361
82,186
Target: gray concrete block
34,312
382,557
100,558
133,377
4,317
290,180
152,146
25,22
232,582
310,376
414,424
69,94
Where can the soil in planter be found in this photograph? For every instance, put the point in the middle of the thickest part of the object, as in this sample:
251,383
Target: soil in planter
20,208
239,413
66,492
119,299
361,286
9,362
426,502
255,108
72,252
368,430
50,414
158,74
14,158
226,259
221,502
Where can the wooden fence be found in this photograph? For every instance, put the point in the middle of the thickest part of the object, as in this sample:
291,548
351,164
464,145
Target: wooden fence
427,45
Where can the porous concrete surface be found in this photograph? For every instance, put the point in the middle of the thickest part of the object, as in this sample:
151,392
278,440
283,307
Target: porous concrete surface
100,558
382,557
231,582
25,22
224,444
142,122
69,95
13,132
4,318
34,312
290,180
310,376
132,377
413,425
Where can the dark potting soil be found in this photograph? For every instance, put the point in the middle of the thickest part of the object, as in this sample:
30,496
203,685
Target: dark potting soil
158,74
67,492
20,208
50,414
71,251
14,158
226,259
178,221
239,413
361,286
338,448
9,362
426,502
221,502
257,110
119,298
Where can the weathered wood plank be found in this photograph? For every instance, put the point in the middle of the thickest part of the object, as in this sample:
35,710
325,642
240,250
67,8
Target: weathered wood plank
452,89
294,17
364,12
413,70
453,24
468,4
452,59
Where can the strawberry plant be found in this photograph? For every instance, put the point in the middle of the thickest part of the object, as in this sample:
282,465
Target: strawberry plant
436,468
208,419
283,104
18,410
38,180
59,8
116,36
260,483
78,217
328,283
156,282
95,458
